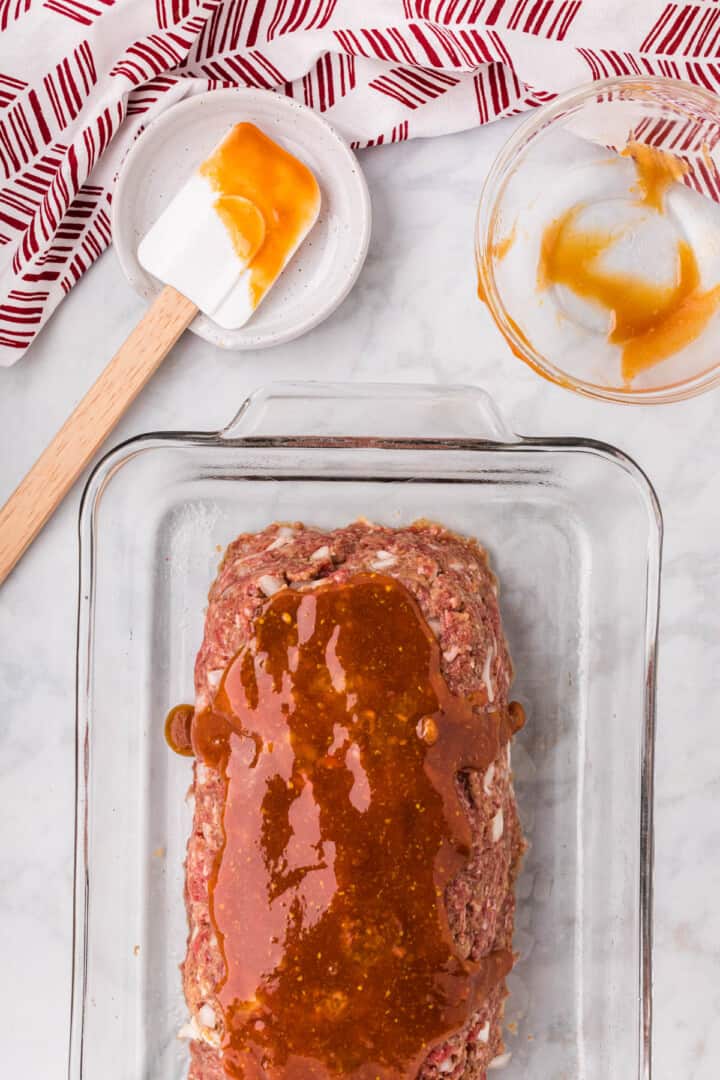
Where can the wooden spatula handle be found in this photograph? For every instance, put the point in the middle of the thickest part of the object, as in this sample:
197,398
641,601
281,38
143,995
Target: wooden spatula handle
53,474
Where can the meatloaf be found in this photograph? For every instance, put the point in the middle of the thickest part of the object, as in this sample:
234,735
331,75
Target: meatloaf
449,578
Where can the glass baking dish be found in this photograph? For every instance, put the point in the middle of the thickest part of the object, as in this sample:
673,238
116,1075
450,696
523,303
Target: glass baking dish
574,532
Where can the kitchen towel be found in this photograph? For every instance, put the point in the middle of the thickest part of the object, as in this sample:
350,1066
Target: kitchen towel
80,79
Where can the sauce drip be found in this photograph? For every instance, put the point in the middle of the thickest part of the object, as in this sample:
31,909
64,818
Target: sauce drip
278,200
340,741
650,322
497,253
178,728
656,172
501,247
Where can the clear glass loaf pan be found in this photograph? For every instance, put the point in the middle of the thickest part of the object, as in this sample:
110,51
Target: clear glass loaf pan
574,532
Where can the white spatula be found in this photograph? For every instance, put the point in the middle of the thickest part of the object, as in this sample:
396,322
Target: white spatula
220,252
252,204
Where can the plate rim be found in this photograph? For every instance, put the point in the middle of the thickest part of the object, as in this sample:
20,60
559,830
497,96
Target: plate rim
203,326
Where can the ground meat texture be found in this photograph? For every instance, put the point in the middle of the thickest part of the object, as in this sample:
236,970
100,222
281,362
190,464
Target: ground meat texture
449,577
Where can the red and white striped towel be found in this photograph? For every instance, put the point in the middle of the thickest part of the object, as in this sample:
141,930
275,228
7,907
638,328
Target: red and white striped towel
79,79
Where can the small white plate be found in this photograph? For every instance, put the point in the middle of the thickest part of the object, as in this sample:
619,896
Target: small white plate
326,265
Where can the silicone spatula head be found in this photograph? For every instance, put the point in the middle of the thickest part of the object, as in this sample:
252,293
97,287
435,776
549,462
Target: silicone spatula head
232,228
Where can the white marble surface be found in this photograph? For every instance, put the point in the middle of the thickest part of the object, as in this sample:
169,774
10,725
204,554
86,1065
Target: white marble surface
413,316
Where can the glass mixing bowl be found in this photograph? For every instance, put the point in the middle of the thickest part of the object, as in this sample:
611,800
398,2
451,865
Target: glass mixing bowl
623,177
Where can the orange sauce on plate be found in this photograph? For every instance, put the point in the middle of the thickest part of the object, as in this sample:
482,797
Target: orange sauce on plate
266,198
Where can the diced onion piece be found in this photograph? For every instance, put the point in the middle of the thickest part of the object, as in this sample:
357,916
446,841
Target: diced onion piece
190,1030
269,584
498,826
206,1015
383,559
488,778
486,674
283,536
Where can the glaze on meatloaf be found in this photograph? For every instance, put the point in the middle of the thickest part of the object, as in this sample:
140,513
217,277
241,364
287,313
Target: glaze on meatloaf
450,579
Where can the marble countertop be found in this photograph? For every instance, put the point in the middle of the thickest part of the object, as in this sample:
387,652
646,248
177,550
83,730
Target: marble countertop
412,317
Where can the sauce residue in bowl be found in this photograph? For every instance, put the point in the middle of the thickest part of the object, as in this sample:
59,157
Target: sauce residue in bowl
656,171
266,198
502,247
649,321
499,249
339,742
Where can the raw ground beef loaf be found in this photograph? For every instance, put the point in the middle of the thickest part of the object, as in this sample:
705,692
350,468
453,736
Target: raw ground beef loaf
449,577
